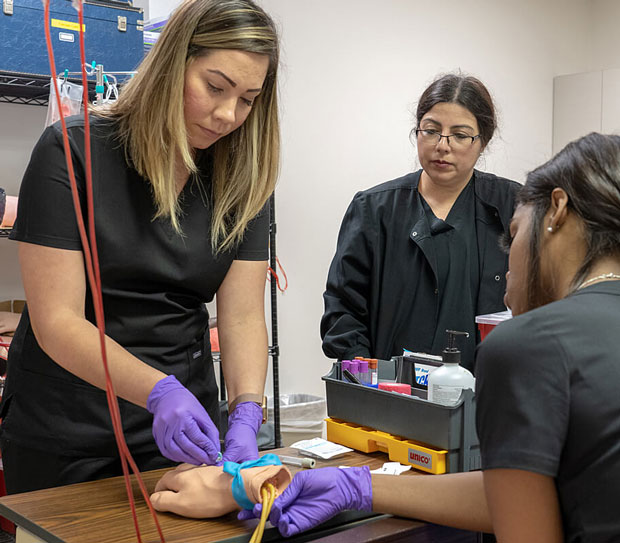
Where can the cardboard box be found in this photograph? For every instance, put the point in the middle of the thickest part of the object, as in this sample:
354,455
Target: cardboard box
12,306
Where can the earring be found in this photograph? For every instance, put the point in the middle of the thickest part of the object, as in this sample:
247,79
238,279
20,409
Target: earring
549,228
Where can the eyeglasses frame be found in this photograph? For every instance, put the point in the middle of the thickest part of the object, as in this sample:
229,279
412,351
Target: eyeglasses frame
418,130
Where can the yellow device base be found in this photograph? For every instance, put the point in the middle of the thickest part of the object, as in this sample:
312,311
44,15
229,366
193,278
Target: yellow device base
399,449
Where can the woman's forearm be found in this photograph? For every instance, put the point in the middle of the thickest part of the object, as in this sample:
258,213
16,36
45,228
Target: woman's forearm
456,499
241,328
244,352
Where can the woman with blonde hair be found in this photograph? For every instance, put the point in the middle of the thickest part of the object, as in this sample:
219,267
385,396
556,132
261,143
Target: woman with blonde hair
183,165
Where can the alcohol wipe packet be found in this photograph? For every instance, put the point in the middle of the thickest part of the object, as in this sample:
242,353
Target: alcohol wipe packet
320,448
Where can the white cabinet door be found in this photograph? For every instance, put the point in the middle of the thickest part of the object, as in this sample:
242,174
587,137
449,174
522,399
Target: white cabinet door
576,107
583,103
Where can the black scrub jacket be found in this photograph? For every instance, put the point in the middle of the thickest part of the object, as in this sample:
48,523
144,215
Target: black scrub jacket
154,281
382,292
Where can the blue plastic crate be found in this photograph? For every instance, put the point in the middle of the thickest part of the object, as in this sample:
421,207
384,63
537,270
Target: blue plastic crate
112,36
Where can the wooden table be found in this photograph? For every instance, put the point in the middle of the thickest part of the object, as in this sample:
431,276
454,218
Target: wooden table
98,512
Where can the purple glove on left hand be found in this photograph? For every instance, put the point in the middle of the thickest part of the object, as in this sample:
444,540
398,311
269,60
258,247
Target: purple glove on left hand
317,495
243,425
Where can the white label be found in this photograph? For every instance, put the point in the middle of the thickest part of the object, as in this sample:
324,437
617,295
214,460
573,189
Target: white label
422,371
374,378
421,459
445,395
66,36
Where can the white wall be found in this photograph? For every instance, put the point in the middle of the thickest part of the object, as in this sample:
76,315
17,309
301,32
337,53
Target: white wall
605,49
161,8
20,127
352,70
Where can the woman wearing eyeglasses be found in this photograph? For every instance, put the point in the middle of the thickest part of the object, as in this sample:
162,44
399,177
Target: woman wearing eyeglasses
547,400
419,254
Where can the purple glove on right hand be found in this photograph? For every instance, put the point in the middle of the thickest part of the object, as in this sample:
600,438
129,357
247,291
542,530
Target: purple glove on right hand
182,428
243,425
317,495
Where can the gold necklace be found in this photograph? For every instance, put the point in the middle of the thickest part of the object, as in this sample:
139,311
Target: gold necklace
603,276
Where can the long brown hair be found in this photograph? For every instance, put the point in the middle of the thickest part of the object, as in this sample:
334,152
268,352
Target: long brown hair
149,113
588,170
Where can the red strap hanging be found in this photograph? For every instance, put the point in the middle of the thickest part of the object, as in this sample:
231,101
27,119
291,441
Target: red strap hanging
92,265
276,277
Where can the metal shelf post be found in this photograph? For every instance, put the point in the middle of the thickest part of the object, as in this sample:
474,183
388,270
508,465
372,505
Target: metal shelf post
275,349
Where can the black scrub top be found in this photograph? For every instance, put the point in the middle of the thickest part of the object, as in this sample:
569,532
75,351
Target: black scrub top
455,247
547,402
155,283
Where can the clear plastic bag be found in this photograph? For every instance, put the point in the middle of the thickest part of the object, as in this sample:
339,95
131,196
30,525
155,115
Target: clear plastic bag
70,100
111,91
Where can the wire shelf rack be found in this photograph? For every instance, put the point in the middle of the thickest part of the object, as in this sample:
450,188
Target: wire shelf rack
33,89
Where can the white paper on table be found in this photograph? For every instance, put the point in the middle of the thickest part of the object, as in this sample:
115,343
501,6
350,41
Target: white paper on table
391,468
320,448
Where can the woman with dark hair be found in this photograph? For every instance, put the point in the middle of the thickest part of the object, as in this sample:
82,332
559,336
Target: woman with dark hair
183,165
419,254
548,408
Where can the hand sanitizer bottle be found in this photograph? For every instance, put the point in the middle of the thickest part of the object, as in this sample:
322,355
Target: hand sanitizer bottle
446,382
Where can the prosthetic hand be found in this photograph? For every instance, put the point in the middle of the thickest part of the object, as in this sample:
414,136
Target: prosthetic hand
243,424
315,496
182,428
206,491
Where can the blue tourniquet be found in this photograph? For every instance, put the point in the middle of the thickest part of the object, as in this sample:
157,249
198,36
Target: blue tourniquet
234,469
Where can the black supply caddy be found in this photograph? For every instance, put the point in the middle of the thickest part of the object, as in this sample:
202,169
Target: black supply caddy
408,428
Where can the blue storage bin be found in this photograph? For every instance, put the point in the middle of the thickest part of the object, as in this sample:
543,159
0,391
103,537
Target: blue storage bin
112,36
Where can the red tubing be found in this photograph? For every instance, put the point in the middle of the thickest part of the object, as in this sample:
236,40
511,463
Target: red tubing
92,266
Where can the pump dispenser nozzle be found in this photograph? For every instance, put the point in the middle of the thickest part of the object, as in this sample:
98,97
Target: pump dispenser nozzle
451,354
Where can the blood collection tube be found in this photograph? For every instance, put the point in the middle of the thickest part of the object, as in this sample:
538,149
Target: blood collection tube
363,372
345,365
373,371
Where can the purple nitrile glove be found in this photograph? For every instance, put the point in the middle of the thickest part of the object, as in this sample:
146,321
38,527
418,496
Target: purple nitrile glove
243,425
182,428
315,496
